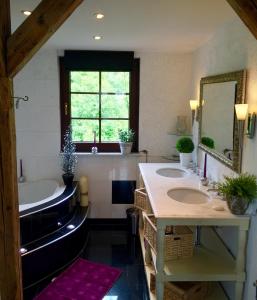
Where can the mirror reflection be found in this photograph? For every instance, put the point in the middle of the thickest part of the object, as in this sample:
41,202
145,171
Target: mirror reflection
218,131
218,115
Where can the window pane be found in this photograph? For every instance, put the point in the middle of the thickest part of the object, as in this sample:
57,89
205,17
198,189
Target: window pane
110,129
84,81
82,130
84,106
115,82
115,106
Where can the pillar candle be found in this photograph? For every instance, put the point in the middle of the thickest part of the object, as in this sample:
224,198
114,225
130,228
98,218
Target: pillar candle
205,165
83,184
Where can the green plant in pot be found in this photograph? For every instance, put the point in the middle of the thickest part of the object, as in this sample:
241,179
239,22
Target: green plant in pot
185,147
126,138
207,141
239,192
68,158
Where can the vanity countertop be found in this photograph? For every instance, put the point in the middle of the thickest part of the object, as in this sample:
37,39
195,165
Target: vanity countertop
163,206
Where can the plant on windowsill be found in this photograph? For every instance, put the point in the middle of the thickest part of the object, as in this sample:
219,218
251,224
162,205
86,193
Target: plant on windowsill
185,147
126,138
239,192
68,158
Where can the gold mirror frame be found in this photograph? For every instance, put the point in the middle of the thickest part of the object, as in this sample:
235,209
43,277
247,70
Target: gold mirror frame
240,78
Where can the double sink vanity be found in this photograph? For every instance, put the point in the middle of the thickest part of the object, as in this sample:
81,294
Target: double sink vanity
177,198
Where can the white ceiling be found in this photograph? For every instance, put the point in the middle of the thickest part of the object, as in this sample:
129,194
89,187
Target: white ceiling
139,25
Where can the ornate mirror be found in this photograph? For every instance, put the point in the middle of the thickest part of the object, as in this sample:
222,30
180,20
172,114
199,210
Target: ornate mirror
218,96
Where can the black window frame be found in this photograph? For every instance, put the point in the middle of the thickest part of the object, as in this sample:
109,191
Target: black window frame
71,63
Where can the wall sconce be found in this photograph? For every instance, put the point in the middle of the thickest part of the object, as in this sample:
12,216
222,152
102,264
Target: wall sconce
241,113
194,107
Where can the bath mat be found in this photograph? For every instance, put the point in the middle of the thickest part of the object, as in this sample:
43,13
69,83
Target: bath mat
83,280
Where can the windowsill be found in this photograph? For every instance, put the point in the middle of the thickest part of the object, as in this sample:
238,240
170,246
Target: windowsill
133,154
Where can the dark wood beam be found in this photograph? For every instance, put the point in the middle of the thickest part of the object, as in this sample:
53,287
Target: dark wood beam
10,272
247,11
47,17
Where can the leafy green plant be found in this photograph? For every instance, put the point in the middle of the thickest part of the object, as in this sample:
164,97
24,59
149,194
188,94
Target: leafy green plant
207,141
126,136
185,145
244,186
68,157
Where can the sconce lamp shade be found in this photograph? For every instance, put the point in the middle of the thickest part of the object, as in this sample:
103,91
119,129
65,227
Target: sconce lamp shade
193,104
241,111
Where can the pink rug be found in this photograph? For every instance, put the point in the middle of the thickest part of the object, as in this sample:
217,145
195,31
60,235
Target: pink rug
83,280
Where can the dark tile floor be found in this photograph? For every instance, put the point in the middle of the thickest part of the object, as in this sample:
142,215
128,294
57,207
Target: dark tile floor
121,250
118,249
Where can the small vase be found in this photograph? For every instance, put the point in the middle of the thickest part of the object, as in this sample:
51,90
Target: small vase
237,205
68,179
185,159
125,148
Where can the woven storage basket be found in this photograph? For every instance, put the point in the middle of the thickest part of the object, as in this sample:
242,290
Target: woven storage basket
178,240
141,200
182,290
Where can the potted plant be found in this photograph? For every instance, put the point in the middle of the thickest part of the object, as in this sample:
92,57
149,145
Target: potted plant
207,141
239,192
185,147
126,138
68,158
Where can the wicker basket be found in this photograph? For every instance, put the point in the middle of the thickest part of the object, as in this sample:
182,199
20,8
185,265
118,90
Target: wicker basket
182,290
178,240
142,201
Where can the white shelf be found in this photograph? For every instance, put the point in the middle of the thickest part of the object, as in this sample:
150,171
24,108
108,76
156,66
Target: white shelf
179,134
217,292
203,266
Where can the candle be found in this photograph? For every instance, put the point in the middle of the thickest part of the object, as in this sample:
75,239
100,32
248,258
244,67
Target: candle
205,165
21,171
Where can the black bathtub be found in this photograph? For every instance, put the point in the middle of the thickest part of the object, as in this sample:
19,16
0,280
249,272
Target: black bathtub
53,234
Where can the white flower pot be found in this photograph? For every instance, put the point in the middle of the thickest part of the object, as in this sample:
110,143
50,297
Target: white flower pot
185,159
125,148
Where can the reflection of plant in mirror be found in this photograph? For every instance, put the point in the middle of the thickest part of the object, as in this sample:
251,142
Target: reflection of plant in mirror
207,141
126,136
185,145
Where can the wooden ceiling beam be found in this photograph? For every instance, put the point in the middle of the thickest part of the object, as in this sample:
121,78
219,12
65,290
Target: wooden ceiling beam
247,11
47,17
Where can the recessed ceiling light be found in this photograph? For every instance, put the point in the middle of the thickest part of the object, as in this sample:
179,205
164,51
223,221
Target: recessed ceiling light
98,37
26,12
99,16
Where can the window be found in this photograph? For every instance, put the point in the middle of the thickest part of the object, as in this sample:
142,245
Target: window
100,101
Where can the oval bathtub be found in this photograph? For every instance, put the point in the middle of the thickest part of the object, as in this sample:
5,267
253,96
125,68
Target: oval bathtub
34,193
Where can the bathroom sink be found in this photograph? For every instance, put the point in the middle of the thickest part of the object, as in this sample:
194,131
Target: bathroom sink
188,195
171,172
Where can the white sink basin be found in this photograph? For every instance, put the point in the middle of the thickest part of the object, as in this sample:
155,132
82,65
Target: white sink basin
171,172
188,195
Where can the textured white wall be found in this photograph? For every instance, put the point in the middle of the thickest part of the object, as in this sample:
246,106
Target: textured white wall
164,94
232,48
38,123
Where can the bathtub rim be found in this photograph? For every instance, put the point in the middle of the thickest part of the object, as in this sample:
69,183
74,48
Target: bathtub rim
59,189
67,193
